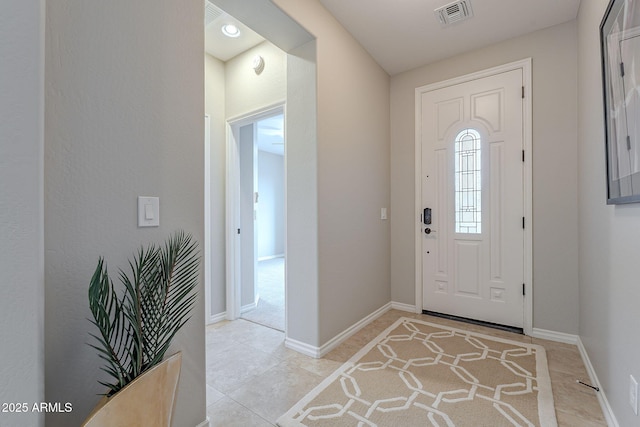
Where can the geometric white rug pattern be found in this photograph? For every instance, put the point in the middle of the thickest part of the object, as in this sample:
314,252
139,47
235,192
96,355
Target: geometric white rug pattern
417,373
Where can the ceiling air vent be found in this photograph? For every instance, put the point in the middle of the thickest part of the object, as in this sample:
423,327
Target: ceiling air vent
454,12
211,13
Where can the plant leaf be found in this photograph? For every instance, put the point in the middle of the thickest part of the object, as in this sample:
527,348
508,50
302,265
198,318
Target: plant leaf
159,293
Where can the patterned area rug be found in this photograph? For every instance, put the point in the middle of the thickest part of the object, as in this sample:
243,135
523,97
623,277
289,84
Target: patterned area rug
421,374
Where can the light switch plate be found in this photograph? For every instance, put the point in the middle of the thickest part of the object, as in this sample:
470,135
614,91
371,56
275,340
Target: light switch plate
383,213
148,211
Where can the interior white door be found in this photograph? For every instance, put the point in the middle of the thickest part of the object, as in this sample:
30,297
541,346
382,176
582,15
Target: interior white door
472,180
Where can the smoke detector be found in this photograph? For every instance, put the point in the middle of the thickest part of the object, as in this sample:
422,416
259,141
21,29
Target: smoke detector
454,12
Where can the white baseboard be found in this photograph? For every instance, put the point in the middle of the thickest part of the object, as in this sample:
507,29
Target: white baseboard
344,335
267,258
593,378
607,410
217,318
554,336
251,306
403,307
318,352
303,348
205,423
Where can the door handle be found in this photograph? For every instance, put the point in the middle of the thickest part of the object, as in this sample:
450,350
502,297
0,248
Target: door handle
429,231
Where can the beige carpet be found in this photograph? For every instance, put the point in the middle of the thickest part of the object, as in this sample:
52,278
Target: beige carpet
421,374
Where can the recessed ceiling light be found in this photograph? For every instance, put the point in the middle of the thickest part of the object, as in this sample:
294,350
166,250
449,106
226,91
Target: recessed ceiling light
230,30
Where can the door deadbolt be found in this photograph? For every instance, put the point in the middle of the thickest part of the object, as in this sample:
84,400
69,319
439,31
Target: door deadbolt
426,216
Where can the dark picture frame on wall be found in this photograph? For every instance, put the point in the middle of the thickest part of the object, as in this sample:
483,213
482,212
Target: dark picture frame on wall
620,47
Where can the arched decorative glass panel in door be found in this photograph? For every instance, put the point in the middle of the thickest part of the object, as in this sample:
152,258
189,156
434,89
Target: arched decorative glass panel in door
468,182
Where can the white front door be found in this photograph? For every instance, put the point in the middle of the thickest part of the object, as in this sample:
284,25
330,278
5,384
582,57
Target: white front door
472,182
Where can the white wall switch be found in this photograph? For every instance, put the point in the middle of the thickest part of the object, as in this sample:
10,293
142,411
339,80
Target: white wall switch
383,213
148,211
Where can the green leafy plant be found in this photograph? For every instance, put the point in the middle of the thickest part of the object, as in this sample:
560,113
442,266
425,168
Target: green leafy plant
159,292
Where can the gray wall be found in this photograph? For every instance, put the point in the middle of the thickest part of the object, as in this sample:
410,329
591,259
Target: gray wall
124,117
214,106
609,236
246,91
353,173
270,204
21,208
555,227
302,195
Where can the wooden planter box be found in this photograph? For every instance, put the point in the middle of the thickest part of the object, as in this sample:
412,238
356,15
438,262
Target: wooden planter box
146,402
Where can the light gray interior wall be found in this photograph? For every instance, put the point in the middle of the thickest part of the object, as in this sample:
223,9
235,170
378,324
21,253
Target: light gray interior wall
555,230
21,208
246,151
609,236
214,106
124,117
302,196
270,204
353,172
246,91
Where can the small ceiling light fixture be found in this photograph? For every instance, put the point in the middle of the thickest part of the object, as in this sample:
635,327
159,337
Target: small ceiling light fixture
258,64
230,30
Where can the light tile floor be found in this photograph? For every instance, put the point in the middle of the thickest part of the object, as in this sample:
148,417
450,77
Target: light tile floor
252,378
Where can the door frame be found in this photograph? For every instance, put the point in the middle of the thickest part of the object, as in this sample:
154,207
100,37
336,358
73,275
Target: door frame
232,202
525,66
207,220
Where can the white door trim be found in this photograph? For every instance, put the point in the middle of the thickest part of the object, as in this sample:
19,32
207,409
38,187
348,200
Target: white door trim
207,220
525,66
232,202
232,244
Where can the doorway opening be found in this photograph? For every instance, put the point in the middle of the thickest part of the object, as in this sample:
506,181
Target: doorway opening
241,82
259,176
